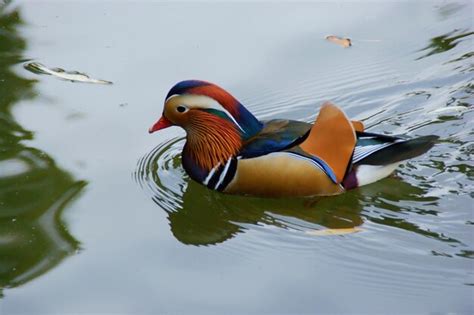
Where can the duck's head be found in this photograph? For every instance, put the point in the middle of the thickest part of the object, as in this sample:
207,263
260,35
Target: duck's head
199,106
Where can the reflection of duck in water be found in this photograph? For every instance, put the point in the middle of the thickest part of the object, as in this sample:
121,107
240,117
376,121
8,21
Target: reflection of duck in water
229,150
205,217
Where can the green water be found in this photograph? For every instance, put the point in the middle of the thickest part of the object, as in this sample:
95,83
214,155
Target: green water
97,216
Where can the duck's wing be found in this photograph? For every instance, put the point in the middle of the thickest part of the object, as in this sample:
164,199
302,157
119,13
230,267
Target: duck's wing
276,135
281,134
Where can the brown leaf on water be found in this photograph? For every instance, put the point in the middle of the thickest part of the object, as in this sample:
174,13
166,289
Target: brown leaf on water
342,231
344,42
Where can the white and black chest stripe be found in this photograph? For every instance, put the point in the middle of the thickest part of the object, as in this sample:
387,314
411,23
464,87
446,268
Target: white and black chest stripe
221,175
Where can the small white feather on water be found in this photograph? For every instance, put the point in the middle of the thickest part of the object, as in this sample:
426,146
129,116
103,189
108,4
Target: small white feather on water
73,76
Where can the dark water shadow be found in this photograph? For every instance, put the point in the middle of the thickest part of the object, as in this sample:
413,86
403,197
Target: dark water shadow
34,191
199,216
445,42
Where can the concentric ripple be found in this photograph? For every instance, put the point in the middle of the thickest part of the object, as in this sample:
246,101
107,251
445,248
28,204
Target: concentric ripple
160,174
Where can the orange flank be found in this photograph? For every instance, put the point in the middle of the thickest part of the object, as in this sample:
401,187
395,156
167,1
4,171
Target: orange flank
280,174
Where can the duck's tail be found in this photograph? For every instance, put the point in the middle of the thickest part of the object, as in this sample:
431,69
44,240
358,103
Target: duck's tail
377,156
397,151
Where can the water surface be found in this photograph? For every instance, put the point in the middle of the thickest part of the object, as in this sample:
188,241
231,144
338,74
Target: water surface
97,216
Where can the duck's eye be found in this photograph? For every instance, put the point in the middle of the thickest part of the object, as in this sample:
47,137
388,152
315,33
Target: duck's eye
181,109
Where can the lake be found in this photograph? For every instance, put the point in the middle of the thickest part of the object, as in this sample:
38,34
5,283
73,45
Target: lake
97,216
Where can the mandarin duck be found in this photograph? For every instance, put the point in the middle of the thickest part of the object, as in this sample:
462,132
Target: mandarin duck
229,150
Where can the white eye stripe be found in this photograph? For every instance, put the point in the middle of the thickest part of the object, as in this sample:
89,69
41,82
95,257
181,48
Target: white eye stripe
174,95
204,102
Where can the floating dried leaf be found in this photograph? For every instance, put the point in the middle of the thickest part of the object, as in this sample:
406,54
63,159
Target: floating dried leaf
344,42
73,76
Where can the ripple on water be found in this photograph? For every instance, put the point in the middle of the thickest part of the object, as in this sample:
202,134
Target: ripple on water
158,174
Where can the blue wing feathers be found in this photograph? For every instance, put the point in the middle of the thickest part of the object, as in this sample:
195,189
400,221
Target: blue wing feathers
276,135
